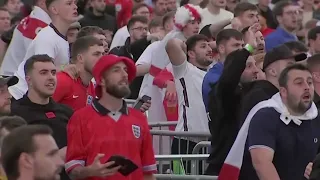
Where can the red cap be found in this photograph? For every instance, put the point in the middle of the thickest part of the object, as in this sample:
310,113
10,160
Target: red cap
105,62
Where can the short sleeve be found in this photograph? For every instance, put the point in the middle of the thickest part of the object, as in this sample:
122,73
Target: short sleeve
180,70
76,154
45,46
63,87
262,130
147,155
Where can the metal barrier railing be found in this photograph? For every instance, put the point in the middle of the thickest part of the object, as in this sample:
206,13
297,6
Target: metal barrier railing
163,124
181,145
184,177
194,158
196,149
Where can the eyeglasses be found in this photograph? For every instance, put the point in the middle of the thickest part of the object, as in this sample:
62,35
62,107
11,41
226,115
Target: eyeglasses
140,28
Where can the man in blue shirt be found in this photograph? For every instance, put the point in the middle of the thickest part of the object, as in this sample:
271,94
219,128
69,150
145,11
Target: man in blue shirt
228,40
283,139
287,16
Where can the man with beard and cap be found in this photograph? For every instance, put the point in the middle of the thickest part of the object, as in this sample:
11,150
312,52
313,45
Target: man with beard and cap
5,96
109,127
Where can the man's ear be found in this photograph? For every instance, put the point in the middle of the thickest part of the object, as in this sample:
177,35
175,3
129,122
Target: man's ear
283,92
221,49
191,54
28,80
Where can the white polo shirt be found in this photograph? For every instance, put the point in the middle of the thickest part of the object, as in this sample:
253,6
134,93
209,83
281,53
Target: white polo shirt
22,37
48,41
192,113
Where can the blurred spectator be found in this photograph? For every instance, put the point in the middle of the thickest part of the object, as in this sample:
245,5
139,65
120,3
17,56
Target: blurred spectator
259,58
155,25
96,16
171,5
135,45
160,7
8,123
215,12
266,13
308,10
231,4
78,93
309,25
314,41
287,16
247,13
73,31
30,152
5,96
259,37
25,32
313,64
4,26
265,30
13,6
122,34
96,32
228,40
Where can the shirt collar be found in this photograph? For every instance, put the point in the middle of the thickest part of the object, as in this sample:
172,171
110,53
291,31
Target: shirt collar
40,14
286,33
103,111
57,31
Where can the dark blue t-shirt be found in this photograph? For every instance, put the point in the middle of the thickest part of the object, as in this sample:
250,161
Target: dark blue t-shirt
294,146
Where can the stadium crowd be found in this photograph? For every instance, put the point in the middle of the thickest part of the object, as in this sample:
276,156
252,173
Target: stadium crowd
247,72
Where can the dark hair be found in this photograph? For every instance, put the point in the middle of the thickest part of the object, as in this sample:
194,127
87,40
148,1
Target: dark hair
226,34
11,122
283,78
89,31
138,6
155,22
244,30
49,2
313,62
20,140
279,7
137,18
192,41
167,17
243,7
312,34
28,66
83,44
296,46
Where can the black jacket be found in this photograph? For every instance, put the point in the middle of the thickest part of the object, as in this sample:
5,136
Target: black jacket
55,115
224,104
260,91
132,51
106,22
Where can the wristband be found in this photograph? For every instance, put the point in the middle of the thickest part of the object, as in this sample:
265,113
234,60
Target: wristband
249,48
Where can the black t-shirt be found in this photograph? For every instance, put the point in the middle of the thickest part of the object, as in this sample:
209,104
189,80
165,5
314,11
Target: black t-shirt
294,145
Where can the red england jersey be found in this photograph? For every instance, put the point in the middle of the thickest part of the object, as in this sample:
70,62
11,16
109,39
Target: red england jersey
72,92
95,130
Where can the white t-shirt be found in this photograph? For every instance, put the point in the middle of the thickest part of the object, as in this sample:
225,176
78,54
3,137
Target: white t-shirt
188,80
120,37
48,41
23,35
209,18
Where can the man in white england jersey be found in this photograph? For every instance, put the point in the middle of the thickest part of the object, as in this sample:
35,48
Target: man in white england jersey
51,40
23,35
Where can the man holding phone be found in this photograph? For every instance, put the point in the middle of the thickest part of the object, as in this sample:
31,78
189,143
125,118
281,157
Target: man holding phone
109,139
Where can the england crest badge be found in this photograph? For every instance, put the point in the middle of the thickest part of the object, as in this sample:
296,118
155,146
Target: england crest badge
136,130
